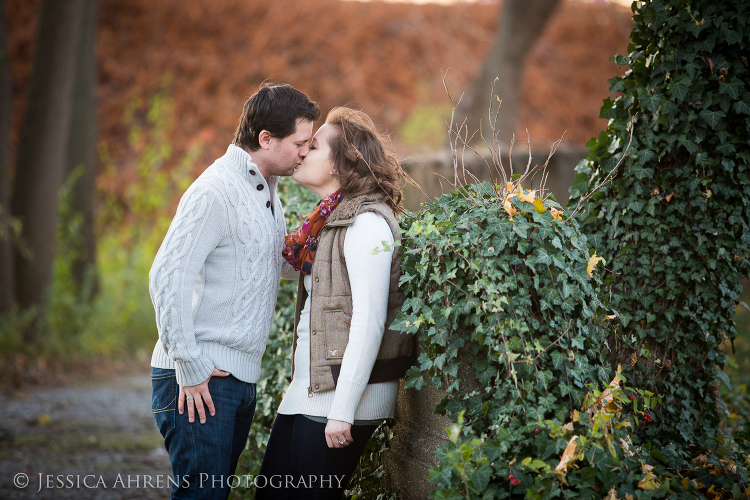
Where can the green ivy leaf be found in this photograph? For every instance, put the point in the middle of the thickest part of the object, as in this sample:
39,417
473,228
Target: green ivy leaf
650,101
712,117
679,89
481,478
640,172
733,89
743,106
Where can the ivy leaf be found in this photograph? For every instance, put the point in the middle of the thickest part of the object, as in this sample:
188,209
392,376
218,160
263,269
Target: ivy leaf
621,60
580,185
494,449
731,36
414,379
558,358
679,89
706,45
691,146
640,172
743,106
481,478
646,155
651,101
636,206
712,117
733,89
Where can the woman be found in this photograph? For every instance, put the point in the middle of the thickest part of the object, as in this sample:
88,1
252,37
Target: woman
346,363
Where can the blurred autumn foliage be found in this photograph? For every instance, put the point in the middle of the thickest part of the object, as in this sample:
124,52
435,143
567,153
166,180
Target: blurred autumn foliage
386,58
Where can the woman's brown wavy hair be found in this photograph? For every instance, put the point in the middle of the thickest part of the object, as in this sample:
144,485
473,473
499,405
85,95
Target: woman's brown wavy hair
363,158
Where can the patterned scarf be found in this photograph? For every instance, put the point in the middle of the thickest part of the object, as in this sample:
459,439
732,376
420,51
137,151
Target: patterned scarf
301,244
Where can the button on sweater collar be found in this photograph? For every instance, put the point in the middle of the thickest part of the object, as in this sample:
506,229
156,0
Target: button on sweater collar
240,160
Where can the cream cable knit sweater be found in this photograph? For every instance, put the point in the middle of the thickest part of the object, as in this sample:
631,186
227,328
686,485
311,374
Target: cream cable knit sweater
215,277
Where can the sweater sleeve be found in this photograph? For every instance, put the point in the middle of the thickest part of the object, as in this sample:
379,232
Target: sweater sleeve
288,272
198,227
369,268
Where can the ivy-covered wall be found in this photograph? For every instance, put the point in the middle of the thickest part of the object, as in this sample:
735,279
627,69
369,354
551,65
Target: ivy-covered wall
673,224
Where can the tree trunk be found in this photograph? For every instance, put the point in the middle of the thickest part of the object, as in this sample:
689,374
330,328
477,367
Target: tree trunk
42,148
6,257
82,151
520,24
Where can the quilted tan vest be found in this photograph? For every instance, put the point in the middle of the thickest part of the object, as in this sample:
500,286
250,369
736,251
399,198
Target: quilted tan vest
331,306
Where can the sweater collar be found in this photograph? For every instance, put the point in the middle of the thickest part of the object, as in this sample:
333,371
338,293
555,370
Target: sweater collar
241,161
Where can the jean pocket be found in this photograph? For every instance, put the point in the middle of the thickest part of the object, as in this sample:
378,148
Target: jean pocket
164,400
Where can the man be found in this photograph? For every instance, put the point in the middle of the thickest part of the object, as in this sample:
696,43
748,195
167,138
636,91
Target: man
213,285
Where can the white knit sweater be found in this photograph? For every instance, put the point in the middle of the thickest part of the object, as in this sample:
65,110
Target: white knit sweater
369,277
215,278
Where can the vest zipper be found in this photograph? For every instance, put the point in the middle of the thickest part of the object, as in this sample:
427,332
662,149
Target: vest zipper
309,388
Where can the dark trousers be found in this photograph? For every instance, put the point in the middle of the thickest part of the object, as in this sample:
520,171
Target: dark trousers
298,463
203,456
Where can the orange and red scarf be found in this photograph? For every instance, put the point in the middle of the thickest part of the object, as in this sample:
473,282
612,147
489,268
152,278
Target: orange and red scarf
301,244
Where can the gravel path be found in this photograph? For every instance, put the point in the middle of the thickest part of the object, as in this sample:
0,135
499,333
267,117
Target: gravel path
90,441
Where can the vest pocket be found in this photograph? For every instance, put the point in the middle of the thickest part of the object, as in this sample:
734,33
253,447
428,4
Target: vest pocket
337,325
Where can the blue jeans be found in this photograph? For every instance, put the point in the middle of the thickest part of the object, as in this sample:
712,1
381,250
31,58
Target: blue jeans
203,456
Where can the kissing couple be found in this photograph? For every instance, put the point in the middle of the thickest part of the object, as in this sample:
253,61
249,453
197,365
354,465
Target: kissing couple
214,283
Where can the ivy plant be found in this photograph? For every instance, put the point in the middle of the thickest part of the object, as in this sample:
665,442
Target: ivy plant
673,222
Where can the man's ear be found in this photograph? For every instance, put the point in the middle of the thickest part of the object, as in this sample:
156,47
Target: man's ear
264,138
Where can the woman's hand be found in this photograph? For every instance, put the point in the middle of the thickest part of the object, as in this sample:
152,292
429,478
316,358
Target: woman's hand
338,434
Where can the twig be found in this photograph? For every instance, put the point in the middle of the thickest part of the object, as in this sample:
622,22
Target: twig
610,175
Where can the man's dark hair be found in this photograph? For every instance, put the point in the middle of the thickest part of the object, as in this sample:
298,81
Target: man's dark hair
276,108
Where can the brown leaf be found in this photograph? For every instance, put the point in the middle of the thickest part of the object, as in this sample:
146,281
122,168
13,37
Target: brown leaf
611,495
567,456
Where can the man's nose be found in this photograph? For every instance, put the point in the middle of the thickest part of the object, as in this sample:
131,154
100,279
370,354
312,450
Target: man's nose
304,150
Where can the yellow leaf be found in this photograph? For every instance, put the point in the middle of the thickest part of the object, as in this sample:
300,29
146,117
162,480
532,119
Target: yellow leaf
623,424
538,204
593,261
44,419
568,427
575,415
649,482
611,495
556,214
509,208
567,456
528,196
510,187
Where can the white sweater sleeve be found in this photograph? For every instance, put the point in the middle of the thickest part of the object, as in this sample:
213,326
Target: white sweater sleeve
288,272
198,226
369,268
